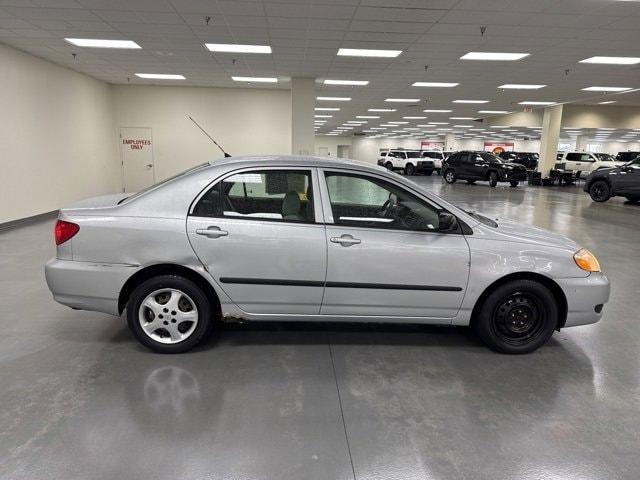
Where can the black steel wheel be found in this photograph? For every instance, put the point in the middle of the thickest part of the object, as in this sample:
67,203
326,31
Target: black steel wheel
600,191
517,317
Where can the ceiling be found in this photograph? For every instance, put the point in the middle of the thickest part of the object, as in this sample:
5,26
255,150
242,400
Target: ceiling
306,34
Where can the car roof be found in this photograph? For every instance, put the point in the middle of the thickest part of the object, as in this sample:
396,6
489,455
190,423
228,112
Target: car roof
288,160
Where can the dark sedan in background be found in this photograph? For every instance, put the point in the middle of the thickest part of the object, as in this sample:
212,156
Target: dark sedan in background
477,165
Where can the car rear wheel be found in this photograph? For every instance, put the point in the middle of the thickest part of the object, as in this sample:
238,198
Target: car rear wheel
409,169
600,191
493,179
514,183
450,176
517,317
169,314
389,166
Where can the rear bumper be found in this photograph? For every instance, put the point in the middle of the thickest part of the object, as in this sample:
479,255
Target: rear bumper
87,285
585,298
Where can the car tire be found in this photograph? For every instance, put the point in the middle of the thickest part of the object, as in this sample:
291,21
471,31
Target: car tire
493,179
514,183
599,191
450,176
409,169
517,317
179,308
389,166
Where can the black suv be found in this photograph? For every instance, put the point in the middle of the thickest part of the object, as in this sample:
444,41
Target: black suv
622,181
528,159
476,165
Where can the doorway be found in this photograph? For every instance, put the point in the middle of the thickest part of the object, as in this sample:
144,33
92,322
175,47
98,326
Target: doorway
343,151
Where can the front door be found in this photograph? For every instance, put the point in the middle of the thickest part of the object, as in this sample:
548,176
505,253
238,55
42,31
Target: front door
626,180
136,146
386,256
257,233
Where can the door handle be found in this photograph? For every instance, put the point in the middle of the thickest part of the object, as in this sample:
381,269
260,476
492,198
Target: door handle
149,165
212,232
346,240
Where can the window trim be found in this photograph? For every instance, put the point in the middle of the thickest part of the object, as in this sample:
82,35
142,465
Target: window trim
317,203
328,211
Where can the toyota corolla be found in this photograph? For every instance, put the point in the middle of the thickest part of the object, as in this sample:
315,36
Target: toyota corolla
313,239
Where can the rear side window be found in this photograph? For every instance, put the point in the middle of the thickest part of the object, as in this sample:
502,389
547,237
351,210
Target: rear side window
574,157
280,195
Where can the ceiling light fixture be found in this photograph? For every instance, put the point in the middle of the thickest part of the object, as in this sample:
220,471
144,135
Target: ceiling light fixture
414,118
493,111
365,52
346,82
495,56
326,109
435,84
402,100
255,79
437,111
519,86
471,101
461,118
160,76
607,103
233,48
97,43
536,103
334,99
606,89
367,116
612,60
381,110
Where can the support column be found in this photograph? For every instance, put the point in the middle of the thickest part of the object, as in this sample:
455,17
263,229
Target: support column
449,142
550,137
303,100
581,143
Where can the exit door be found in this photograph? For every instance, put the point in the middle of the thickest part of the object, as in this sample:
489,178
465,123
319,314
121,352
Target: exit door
138,170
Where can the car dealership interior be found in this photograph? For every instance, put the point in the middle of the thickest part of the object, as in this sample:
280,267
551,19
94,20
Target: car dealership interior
486,114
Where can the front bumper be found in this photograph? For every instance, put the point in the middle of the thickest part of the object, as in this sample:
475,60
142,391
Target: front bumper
519,175
87,285
585,298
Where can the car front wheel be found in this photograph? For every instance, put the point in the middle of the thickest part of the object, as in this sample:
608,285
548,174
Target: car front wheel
600,191
493,179
409,169
450,176
517,317
169,314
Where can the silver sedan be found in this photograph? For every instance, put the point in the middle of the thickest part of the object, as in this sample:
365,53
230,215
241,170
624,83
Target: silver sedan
309,239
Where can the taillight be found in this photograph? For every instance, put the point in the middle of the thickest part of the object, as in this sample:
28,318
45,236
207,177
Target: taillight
64,231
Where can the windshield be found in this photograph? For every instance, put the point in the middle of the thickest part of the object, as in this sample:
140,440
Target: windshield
606,157
162,182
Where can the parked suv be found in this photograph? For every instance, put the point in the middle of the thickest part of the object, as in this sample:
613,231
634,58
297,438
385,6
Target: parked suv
583,163
622,181
476,165
437,156
528,159
409,161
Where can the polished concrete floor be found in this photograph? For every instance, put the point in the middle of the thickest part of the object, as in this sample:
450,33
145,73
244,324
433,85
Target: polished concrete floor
80,399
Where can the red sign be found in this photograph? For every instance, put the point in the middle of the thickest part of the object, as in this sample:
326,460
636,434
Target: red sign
428,145
135,143
498,147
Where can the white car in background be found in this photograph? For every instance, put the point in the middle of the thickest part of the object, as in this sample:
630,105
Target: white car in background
411,162
437,156
586,162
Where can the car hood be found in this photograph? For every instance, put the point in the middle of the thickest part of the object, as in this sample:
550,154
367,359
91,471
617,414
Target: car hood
102,201
512,231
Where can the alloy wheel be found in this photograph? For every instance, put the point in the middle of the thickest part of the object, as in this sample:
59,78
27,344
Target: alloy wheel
168,316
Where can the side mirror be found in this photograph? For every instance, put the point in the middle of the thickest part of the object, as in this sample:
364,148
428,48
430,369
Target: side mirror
447,222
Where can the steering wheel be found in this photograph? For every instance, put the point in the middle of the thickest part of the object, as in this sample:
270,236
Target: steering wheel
388,206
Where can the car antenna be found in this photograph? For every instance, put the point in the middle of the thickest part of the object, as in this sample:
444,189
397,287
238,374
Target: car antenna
210,137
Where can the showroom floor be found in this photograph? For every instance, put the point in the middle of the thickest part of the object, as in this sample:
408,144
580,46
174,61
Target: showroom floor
82,399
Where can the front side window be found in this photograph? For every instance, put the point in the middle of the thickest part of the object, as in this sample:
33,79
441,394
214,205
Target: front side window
414,155
281,195
362,201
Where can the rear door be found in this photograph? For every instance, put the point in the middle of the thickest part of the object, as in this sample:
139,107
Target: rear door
259,232
386,256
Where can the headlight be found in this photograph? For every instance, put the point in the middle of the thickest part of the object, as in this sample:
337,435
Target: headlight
586,260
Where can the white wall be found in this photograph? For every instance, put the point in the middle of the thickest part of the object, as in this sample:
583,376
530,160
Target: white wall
57,142
331,144
243,121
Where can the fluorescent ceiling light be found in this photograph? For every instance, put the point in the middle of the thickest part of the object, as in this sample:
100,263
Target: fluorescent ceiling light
96,43
461,118
334,99
387,125
612,60
398,123
233,48
326,109
607,103
499,126
346,82
255,79
437,111
536,103
378,128
323,116
160,76
356,121
434,84
402,100
471,101
414,118
438,123
606,89
381,110
367,116
364,52
519,86
497,56
462,126
493,111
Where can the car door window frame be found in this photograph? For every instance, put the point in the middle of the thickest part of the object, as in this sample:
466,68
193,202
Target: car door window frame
315,181
328,211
